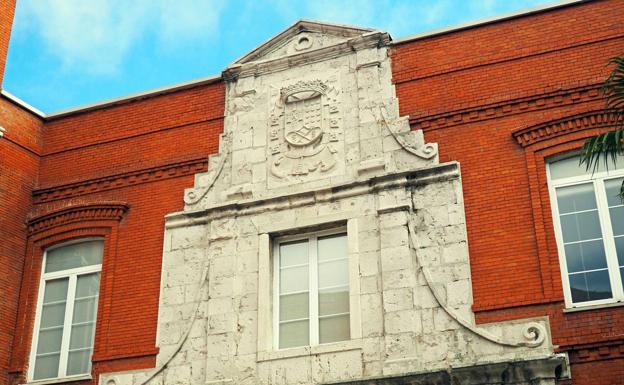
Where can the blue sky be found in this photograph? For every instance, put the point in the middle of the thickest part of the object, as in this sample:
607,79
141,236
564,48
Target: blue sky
67,53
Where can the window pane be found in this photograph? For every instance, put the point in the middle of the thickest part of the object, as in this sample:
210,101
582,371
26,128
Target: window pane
619,247
49,341
294,253
294,306
81,336
332,247
88,285
576,198
294,279
566,168
74,255
590,286
52,315
613,189
84,310
79,362
294,334
334,273
569,167
51,328
334,329
581,226
46,367
55,290
585,256
617,220
333,301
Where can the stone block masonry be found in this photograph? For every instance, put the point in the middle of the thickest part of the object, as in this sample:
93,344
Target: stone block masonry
318,145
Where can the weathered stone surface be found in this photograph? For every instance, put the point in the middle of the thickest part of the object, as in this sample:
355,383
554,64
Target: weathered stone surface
316,142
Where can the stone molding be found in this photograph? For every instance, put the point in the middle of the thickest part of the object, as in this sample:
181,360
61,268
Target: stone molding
297,28
441,172
546,131
172,170
91,212
533,335
215,166
514,106
255,68
536,371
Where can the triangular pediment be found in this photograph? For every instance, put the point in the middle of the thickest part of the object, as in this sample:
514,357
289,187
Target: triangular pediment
302,36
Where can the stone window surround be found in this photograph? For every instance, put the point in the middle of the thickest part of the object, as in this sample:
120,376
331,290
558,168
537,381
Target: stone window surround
266,348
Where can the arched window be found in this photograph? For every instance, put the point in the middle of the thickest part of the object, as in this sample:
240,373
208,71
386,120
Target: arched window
66,310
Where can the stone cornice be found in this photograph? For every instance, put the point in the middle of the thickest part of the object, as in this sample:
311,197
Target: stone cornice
81,213
167,171
526,371
367,40
545,131
441,172
536,102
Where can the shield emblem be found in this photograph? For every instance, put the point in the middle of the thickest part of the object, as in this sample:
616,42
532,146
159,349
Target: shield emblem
303,113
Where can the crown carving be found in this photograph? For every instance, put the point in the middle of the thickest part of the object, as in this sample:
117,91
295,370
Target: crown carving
303,86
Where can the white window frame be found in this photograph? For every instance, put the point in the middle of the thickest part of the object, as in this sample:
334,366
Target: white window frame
312,238
597,178
72,274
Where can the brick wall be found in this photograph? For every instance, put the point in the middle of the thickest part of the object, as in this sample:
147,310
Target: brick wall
142,154
7,10
19,167
469,91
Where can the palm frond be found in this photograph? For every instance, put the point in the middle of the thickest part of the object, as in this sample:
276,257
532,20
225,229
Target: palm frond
613,90
606,148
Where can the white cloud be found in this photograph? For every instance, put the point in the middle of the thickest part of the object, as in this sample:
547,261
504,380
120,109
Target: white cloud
95,36
188,20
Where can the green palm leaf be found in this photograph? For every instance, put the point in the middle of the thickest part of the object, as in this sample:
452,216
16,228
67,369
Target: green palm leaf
607,147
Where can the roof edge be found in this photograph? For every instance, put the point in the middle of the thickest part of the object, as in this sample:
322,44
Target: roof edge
216,78
488,20
134,97
23,104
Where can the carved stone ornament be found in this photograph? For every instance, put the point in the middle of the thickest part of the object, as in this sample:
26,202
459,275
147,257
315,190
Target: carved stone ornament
302,130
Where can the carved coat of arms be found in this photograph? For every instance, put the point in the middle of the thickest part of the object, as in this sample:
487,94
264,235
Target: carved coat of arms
303,131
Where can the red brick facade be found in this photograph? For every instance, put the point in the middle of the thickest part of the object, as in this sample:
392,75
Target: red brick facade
499,98
471,91
7,10
19,170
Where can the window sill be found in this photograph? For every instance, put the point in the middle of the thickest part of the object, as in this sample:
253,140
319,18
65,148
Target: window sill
310,350
81,377
593,307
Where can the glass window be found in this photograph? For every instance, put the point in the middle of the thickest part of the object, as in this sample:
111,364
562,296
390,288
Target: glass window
590,230
312,282
65,325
